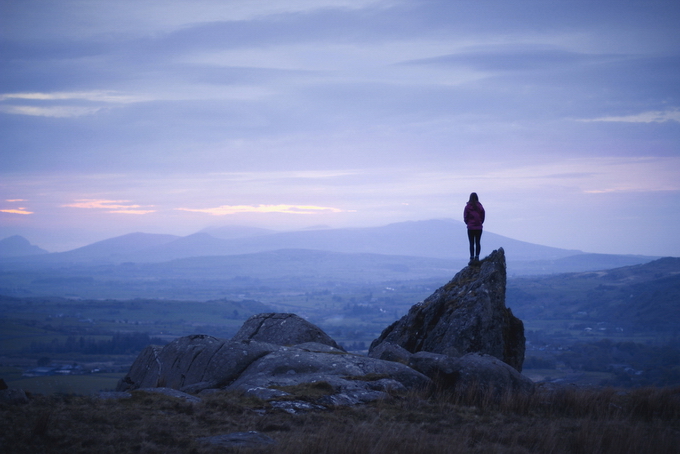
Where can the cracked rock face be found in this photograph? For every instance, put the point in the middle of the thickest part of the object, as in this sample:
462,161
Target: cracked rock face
291,366
283,329
195,363
467,315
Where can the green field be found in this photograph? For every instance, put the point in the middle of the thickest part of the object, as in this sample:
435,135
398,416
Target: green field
68,384
40,329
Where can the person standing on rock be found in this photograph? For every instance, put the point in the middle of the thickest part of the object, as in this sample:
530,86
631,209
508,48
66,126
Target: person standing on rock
473,215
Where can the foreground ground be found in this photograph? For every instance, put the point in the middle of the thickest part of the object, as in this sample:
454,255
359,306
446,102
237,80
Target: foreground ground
558,420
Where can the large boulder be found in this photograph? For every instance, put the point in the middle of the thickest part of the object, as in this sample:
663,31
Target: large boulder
144,372
391,352
13,396
196,363
200,362
193,363
473,372
467,315
345,372
282,329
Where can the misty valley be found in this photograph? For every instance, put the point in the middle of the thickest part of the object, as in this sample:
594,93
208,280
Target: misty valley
75,324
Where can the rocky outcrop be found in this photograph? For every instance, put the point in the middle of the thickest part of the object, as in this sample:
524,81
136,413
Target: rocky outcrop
13,396
473,372
391,352
193,363
462,337
345,372
197,363
467,315
282,329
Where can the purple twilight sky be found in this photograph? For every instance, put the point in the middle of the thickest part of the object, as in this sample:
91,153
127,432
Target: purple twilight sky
172,116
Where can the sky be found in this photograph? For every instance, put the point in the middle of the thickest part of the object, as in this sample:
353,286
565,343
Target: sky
174,116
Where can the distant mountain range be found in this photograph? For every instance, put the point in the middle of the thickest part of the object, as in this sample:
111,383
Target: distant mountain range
435,239
18,246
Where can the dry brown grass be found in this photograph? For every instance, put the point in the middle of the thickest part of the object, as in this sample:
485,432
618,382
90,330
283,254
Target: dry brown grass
560,420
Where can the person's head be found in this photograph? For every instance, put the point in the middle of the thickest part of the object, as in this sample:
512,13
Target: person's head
473,198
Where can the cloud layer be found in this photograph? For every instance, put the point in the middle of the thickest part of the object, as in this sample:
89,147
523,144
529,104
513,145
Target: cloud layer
563,116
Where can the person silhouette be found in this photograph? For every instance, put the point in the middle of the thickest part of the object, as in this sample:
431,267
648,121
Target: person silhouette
473,215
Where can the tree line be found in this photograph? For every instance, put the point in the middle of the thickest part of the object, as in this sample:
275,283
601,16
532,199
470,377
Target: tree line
119,344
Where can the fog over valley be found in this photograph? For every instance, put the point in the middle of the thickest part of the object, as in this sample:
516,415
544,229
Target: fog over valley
350,282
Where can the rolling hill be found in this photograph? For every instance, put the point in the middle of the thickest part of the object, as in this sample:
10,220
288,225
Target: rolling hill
435,238
18,246
442,239
640,297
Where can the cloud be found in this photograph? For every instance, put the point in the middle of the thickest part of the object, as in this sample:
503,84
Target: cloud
289,209
658,116
19,210
55,112
507,57
396,109
111,206
95,96
595,175
64,104
132,211
74,19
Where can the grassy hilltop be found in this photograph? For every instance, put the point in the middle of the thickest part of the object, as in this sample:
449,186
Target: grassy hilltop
558,420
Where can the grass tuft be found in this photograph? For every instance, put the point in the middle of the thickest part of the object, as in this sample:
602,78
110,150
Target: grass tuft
558,420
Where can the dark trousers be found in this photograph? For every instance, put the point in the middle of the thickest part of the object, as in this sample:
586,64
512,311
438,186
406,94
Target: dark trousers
475,238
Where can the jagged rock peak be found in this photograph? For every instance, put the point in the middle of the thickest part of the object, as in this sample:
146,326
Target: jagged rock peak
467,315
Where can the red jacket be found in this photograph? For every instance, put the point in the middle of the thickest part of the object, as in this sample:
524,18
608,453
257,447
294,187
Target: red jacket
473,215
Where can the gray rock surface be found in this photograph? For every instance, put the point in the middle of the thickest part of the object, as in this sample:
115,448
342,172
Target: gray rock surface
318,348
145,370
391,352
353,398
291,366
172,393
196,363
295,406
265,393
193,363
282,329
473,372
13,396
467,315
489,373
